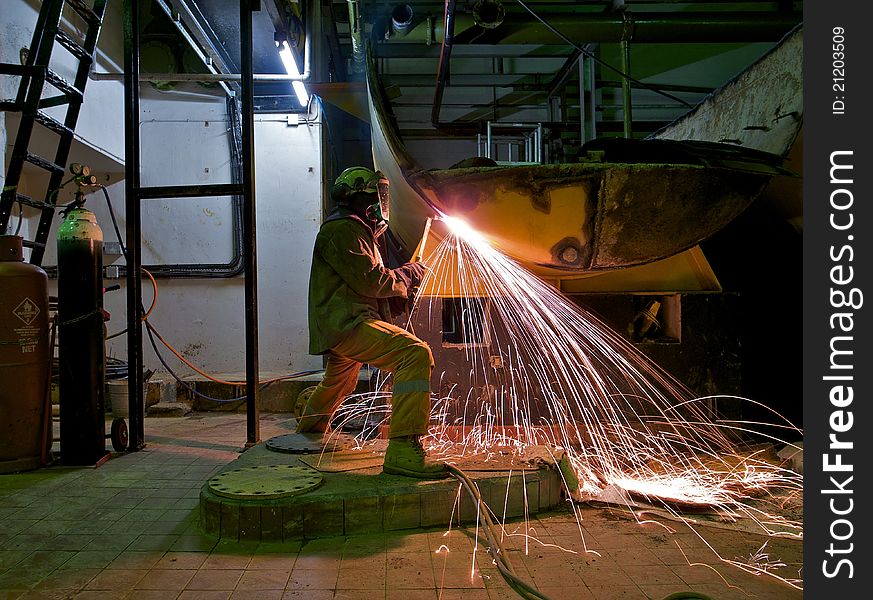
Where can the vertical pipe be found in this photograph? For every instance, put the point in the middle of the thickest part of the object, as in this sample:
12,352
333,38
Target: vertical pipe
443,67
581,63
356,33
249,237
592,97
627,101
539,139
479,144
133,232
488,142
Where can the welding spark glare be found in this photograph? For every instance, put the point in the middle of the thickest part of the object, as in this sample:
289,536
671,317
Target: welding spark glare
565,381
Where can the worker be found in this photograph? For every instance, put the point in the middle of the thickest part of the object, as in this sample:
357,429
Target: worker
351,293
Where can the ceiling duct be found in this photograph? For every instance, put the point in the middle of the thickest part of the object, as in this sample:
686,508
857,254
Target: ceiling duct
488,13
401,19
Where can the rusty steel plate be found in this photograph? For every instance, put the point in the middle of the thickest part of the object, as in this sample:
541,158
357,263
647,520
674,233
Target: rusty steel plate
265,482
309,443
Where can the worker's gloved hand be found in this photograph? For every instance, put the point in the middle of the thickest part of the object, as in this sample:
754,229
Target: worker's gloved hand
411,273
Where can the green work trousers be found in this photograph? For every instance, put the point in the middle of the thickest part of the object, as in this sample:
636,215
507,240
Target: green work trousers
388,348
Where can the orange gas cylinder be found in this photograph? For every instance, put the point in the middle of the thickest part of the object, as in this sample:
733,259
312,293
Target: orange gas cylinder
24,358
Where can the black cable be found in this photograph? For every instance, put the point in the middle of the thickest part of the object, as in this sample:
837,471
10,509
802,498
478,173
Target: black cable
495,549
150,327
600,61
497,552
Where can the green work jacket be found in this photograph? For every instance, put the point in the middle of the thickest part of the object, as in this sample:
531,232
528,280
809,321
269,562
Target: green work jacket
348,283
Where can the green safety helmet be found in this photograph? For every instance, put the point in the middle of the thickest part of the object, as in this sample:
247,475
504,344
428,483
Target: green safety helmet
367,181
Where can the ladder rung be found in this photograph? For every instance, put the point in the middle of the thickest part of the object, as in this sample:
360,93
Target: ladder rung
9,105
73,46
33,203
16,69
54,101
63,85
30,244
43,163
83,10
53,124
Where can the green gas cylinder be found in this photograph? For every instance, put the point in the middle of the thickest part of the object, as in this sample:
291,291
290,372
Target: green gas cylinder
81,350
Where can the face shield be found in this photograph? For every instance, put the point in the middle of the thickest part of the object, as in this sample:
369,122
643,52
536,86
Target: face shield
383,206
378,212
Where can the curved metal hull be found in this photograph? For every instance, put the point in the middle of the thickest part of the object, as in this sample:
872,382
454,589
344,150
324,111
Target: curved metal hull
569,221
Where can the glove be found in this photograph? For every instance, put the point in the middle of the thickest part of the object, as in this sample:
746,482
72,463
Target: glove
411,274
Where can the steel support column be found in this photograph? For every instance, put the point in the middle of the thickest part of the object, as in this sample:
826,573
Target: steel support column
626,98
133,231
249,231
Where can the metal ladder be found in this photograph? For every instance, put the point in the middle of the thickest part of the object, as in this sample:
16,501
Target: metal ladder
34,74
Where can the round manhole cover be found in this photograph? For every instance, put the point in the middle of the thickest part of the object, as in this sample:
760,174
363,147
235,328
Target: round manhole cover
307,443
266,482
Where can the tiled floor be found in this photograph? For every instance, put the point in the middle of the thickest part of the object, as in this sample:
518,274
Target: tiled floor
128,530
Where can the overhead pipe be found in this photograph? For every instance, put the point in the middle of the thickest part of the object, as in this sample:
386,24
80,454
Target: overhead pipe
200,77
443,67
308,32
517,28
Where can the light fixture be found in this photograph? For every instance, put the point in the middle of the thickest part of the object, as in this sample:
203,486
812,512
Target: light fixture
291,68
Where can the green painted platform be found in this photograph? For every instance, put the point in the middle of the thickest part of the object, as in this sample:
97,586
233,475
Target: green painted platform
355,497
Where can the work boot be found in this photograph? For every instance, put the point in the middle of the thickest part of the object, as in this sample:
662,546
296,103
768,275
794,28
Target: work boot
406,456
316,423
309,421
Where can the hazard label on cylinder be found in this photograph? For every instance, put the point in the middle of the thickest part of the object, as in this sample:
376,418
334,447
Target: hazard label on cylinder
27,311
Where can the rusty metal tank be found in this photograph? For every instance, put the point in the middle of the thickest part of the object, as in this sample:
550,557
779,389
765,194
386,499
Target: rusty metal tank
24,359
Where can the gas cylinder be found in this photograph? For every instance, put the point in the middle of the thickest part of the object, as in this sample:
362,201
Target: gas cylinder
24,359
81,350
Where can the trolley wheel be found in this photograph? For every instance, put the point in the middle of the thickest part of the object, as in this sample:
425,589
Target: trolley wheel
119,434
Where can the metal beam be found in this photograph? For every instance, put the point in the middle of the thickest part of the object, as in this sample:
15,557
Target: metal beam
654,27
250,245
132,219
